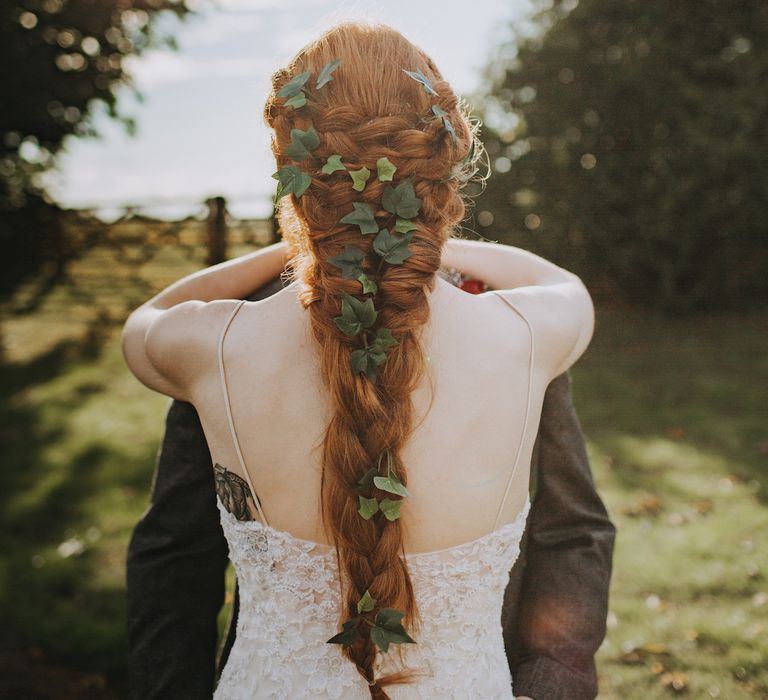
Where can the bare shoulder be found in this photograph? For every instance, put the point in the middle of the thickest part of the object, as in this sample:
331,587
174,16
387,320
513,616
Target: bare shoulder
181,342
561,318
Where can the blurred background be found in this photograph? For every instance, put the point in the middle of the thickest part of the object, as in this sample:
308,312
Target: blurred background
627,142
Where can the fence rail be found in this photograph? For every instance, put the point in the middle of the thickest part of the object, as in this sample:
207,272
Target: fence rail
103,270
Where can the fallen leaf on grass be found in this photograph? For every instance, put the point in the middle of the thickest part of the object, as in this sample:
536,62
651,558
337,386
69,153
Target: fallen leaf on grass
677,682
644,505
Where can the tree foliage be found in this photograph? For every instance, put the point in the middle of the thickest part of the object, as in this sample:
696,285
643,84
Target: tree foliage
638,160
60,59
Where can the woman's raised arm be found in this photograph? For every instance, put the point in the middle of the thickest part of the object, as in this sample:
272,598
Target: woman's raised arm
555,301
163,339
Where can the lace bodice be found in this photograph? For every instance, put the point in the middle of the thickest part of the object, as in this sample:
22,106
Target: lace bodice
289,603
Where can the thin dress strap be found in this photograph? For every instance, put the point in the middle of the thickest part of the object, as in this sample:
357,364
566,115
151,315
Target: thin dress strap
232,430
528,406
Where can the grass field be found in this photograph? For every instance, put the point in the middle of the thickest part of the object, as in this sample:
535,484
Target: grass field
674,412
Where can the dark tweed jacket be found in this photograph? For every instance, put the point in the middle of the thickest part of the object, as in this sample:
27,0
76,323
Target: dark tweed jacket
555,605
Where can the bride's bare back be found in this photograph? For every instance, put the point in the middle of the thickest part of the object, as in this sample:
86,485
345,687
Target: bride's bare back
458,459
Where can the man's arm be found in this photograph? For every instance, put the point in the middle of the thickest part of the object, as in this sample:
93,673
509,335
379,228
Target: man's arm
176,566
556,603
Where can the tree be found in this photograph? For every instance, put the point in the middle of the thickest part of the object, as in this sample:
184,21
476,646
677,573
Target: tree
59,60
638,160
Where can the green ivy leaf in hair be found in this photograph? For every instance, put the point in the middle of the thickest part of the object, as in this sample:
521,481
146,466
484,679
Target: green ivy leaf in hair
325,74
404,225
419,77
388,629
366,603
359,178
365,361
368,506
349,635
391,508
392,247
294,85
390,482
332,164
439,111
401,200
291,178
369,286
296,101
384,169
302,143
355,314
442,114
384,339
362,215
350,262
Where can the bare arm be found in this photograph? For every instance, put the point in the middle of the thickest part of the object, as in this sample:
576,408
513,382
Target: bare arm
159,337
555,300
503,266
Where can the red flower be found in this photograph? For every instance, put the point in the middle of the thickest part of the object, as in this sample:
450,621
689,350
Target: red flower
473,286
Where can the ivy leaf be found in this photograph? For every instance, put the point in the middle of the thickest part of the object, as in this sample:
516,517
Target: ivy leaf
294,86
325,74
359,178
401,200
332,164
388,629
363,363
350,262
384,169
302,143
377,354
419,77
450,129
358,310
439,111
404,225
393,248
291,178
390,483
368,506
297,101
346,326
349,635
355,314
362,216
391,508
366,481
369,286
366,603
384,338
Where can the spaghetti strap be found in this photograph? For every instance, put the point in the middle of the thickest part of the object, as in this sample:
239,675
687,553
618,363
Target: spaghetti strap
528,403
232,430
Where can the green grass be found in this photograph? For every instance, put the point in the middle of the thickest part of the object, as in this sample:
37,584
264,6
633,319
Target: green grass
674,413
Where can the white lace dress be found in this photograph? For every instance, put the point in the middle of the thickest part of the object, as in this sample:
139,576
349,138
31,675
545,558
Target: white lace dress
289,604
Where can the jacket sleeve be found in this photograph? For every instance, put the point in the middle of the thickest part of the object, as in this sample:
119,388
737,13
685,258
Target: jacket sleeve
176,565
556,604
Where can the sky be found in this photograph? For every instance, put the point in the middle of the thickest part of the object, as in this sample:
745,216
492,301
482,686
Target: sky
200,131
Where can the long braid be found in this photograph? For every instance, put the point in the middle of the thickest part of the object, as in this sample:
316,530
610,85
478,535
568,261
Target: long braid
375,111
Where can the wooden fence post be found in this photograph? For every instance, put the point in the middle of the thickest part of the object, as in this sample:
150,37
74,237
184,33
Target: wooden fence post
274,225
217,230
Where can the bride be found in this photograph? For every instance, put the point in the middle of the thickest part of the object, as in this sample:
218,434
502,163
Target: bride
371,425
